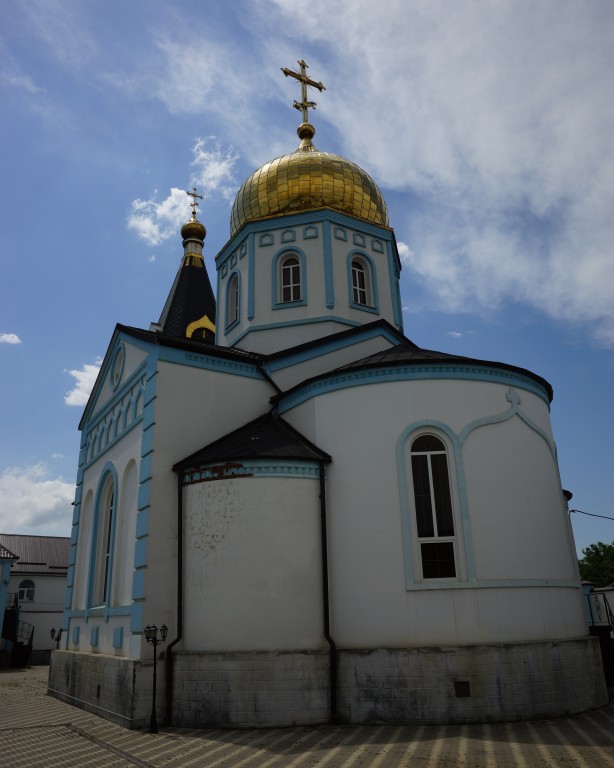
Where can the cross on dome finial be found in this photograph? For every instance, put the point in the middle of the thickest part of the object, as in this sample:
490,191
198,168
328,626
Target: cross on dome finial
194,202
303,105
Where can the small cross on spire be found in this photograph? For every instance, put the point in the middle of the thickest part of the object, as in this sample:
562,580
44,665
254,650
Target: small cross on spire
194,202
303,105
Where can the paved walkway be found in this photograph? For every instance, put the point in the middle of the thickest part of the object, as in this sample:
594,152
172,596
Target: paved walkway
37,730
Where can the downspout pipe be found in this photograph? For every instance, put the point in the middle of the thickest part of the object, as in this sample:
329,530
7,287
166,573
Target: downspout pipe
179,630
326,599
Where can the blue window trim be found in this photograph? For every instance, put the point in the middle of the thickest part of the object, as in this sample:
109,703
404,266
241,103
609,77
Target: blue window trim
276,266
371,276
109,471
229,324
119,350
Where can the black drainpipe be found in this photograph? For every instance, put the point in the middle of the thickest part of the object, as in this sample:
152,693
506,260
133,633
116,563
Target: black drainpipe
326,600
169,647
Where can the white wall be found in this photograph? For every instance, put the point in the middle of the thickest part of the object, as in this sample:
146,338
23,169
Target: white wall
252,565
512,495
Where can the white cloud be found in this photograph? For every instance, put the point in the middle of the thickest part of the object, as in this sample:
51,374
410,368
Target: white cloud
405,254
458,334
213,174
33,502
9,338
498,119
85,380
155,222
214,168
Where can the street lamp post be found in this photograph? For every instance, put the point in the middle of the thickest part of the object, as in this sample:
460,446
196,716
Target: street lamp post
151,635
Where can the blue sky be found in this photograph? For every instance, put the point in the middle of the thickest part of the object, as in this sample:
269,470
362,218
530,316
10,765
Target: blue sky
487,125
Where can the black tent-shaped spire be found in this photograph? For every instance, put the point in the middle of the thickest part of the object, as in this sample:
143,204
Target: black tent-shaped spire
189,311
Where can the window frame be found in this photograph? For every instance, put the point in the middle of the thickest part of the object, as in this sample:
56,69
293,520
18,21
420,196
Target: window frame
28,587
100,580
370,282
234,303
414,578
280,259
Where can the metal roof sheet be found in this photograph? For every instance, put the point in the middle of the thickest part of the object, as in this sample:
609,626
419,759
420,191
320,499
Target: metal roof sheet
37,554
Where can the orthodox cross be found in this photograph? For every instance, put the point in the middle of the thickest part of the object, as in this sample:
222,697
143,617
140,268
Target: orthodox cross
303,105
194,203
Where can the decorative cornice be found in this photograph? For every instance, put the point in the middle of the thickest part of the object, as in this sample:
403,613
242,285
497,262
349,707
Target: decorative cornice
442,370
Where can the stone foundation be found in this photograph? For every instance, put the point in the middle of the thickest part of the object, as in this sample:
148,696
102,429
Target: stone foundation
116,688
462,684
478,683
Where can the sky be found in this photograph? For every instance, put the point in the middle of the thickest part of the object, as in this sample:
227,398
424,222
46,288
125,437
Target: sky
487,125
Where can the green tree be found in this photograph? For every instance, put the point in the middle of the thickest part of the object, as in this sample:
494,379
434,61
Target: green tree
597,565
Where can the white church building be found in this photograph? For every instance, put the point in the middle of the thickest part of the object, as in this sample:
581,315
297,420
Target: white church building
333,523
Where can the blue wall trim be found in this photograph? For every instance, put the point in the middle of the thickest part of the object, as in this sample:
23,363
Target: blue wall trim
211,471
208,362
300,220
346,322
408,373
326,347
251,276
329,283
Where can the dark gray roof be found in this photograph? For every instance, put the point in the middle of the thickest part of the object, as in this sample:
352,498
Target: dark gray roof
37,554
408,353
268,437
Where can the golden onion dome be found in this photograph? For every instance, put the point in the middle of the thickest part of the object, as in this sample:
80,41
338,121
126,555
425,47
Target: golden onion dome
305,180
193,229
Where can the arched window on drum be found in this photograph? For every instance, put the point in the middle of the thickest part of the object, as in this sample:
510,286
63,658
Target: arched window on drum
433,508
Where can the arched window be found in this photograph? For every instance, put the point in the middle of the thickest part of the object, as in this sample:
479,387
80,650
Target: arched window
103,544
232,300
433,507
290,279
26,590
360,284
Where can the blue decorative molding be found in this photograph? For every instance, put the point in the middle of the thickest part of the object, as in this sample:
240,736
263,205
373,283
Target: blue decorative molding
94,631
121,414
442,370
340,234
394,267
118,637
243,469
329,278
328,346
233,260
265,239
243,249
208,362
251,277
75,634
288,236
359,239
305,321
301,219
514,399
310,232
376,245
118,361
224,270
